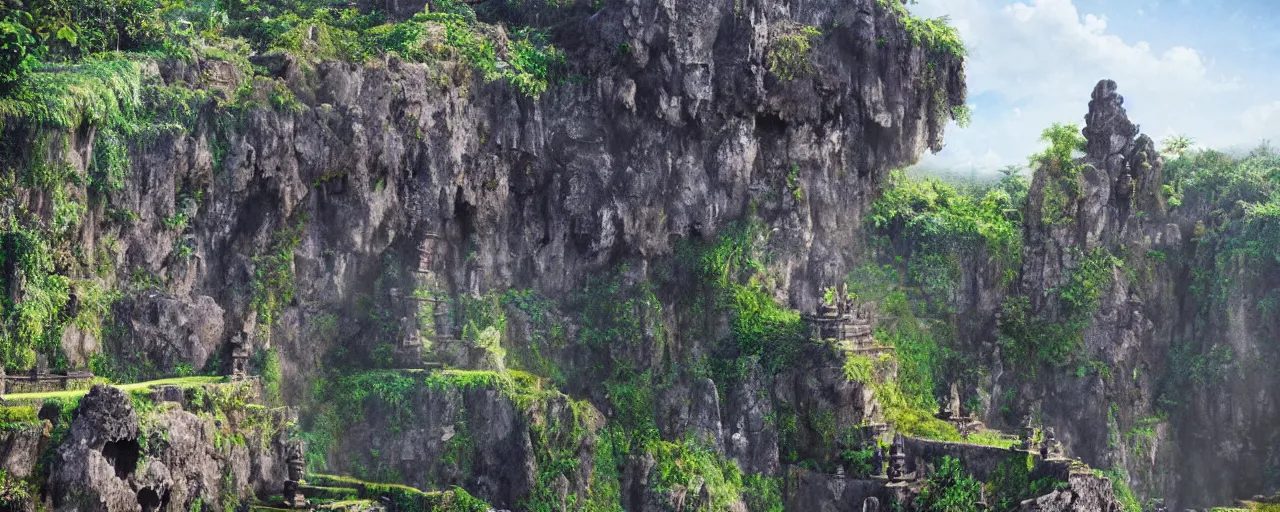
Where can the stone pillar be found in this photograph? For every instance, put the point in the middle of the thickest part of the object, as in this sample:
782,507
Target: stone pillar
296,463
898,459
239,357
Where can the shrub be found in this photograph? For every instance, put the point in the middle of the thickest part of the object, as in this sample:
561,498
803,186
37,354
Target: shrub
788,55
18,48
950,489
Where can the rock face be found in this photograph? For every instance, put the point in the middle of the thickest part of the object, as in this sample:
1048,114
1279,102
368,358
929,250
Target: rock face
1083,491
19,450
295,221
108,462
1152,325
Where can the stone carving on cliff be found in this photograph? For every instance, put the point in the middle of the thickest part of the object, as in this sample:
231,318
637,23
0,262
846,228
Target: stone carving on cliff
877,462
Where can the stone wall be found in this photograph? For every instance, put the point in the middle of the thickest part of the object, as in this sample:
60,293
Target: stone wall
810,490
978,460
43,383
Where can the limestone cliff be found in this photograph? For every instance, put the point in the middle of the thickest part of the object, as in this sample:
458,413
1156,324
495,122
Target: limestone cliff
275,208
1133,323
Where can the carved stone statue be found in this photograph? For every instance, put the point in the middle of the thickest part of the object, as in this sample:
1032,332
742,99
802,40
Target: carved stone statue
951,411
296,461
409,334
426,252
1052,448
441,317
877,461
954,403
73,304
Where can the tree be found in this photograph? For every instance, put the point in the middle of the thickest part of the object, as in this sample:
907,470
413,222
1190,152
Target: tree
17,47
1176,145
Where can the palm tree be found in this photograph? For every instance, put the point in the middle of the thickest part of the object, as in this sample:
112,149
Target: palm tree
1176,145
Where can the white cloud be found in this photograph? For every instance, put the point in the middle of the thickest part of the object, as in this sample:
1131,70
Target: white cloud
1262,121
1037,61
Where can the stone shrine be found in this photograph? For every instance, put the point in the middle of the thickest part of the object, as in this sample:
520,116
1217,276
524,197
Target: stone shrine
898,459
843,320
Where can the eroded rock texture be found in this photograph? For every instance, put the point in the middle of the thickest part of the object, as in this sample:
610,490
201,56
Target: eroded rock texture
109,461
1153,315
671,127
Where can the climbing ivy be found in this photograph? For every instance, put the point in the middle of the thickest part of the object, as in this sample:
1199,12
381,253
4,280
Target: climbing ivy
935,34
273,277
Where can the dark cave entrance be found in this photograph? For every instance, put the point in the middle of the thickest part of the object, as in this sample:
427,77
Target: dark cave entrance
152,501
122,455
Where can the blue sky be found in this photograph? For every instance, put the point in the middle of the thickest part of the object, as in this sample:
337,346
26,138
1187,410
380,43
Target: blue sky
1209,69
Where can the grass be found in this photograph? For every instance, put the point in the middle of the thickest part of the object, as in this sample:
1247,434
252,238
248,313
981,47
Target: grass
992,438
179,381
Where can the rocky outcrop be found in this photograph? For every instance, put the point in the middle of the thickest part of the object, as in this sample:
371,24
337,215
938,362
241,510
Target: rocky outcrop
115,458
20,448
1152,321
1084,491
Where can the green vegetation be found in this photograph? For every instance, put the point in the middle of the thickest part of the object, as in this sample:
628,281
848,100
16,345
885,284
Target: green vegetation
1120,484
950,489
183,382
736,271
684,464
13,492
1011,484
935,34
1062,173
923,352
406,498
273,276
62,30
939,230
17,416
547,334
1034,341
267,365
788,56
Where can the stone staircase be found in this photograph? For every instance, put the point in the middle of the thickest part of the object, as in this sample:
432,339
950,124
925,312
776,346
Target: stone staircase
346,494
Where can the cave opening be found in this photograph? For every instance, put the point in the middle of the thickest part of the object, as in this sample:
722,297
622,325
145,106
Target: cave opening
123,456
152,501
